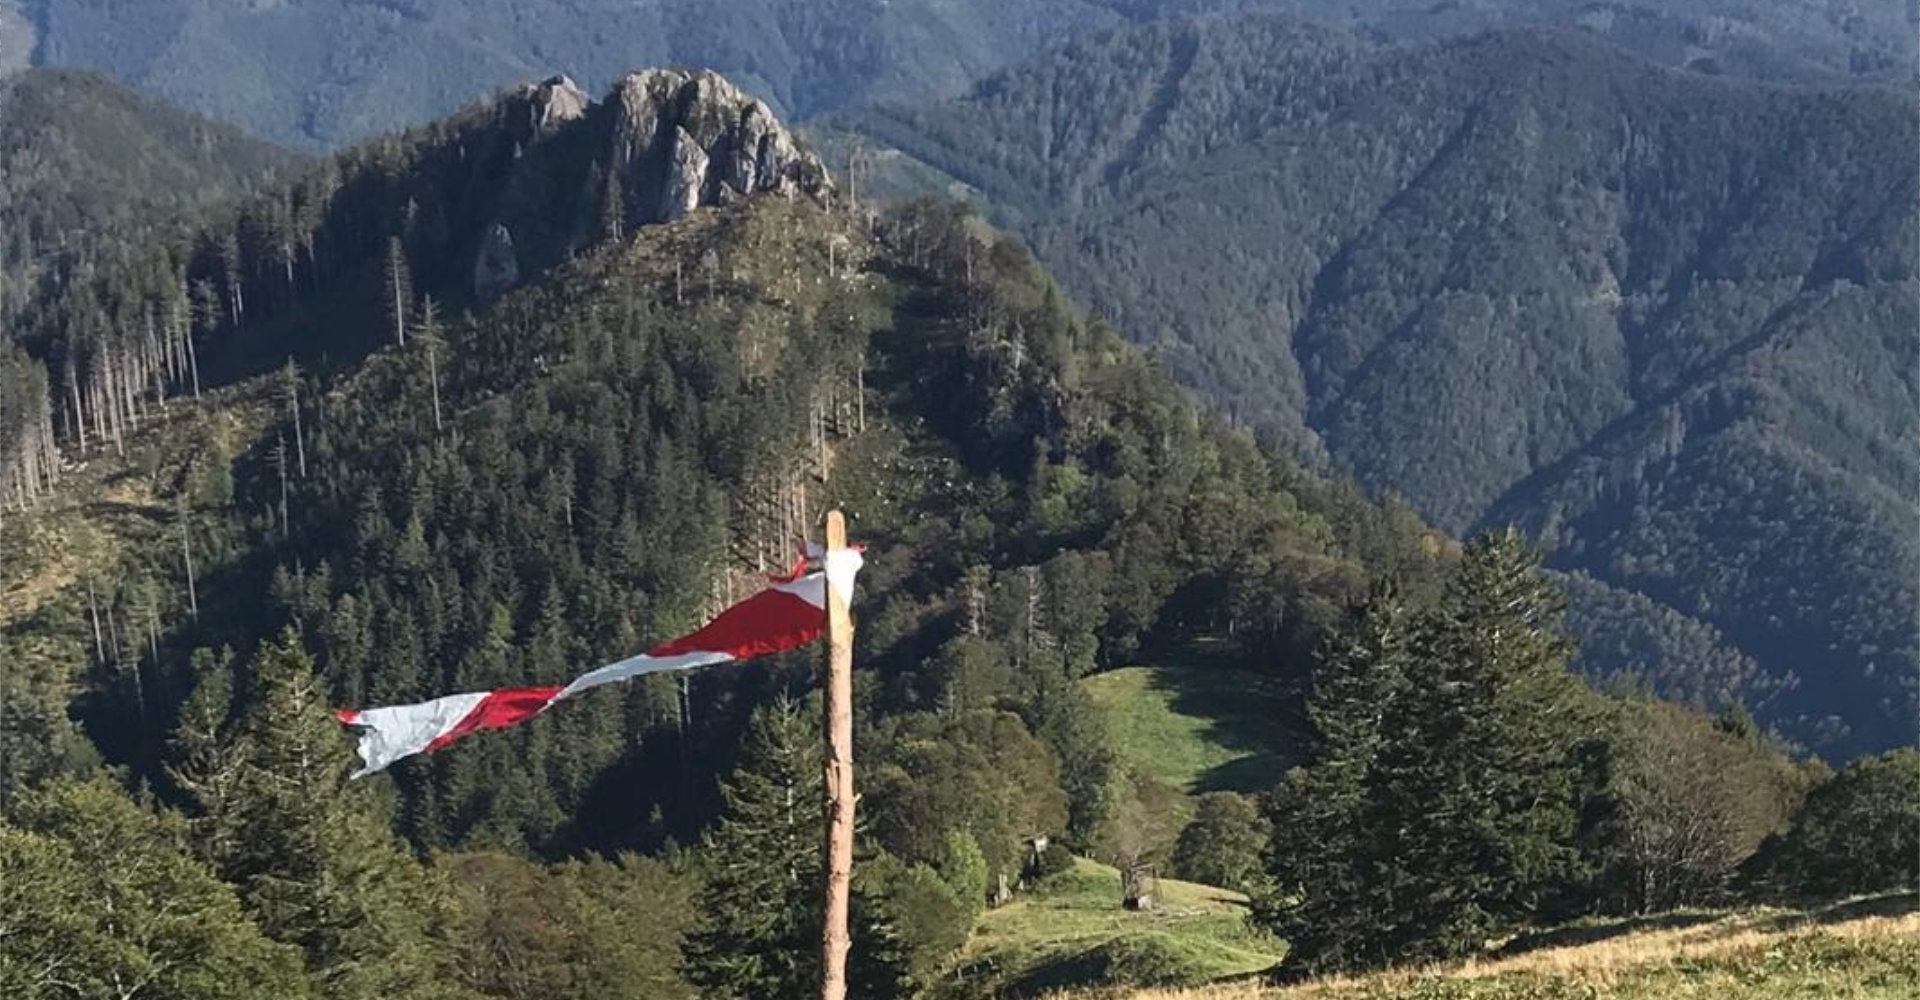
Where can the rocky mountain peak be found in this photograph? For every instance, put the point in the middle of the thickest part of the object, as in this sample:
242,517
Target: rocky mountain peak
554,102
711,140
660,144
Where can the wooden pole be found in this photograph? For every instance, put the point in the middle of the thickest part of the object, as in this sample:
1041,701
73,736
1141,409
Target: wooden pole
835,938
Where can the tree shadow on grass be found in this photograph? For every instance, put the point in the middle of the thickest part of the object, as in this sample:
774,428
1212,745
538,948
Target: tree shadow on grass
1055,975
1246,712
1251,775
1887,905
1893,904
1582,934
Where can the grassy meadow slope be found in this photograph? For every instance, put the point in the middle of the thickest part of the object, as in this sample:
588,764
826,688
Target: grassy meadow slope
1869,950
1071,932
1195,729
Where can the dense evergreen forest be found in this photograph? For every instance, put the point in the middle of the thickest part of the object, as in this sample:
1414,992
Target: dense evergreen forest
1663,323
89,173
81,156
327,72
506,397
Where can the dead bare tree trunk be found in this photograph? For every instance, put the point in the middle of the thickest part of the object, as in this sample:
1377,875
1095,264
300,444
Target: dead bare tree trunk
193,366
280,460
93,610
76,420
293,410
429,333
186,556
399,289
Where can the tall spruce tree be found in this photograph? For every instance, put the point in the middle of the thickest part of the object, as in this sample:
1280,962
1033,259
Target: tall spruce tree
1441,804
759,927
1315,896
1472,808
311,856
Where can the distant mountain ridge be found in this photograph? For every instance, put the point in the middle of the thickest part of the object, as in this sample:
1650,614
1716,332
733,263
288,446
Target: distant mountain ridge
1663,321
321,73
81,155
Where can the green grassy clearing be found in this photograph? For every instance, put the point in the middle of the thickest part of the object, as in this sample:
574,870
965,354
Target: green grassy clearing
1196,729
1072,931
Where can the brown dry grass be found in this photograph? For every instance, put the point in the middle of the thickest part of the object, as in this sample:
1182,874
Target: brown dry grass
1629,964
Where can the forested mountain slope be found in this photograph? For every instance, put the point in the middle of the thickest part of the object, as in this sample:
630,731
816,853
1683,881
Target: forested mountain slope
89,171
583,430
81,156
1783,40
1663,322
506,397
324,72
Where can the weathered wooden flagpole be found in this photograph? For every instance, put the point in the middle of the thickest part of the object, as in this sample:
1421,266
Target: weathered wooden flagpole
835,939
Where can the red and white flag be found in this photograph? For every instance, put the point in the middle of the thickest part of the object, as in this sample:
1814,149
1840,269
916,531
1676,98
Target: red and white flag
789,614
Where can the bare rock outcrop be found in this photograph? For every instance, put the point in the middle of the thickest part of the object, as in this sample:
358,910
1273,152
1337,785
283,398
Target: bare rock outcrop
555,102
497,268
568,172
688,139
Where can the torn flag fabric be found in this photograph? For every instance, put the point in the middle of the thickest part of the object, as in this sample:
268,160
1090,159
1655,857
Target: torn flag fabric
789,614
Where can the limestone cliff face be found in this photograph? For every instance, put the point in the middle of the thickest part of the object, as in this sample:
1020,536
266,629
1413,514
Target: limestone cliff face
554,103
661,144
687,139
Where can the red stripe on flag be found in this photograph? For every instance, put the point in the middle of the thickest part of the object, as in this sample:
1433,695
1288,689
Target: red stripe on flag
498,710
787,616
772,621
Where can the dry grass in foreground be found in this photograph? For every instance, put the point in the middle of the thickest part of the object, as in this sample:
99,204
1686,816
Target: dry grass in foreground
1865,950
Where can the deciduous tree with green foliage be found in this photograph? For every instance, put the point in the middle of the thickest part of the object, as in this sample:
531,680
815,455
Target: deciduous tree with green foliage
1858,832
1225,843
1687,799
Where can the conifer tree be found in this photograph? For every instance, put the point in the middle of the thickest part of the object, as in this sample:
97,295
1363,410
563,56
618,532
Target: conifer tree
1472,808
759,933
310,855
98,898
201,765
1315,896
1441,807
758,930
38,737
